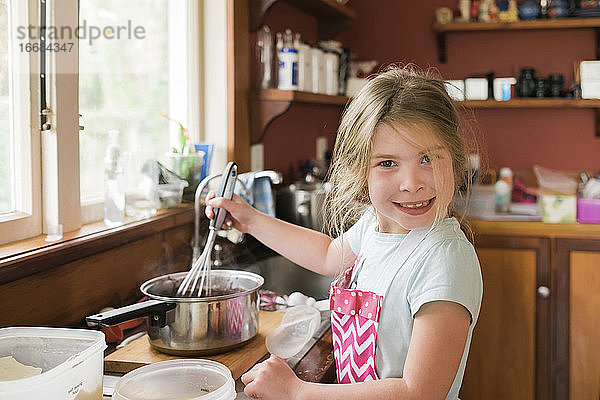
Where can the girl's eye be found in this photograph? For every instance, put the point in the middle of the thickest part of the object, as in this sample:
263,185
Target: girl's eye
429,158
386,163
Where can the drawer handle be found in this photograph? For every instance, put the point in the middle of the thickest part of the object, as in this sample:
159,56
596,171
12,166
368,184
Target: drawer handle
543,291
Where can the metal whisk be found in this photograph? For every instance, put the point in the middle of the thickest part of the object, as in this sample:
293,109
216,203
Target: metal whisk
201,267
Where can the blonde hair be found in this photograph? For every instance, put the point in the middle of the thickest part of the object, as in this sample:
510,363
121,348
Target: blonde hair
403,96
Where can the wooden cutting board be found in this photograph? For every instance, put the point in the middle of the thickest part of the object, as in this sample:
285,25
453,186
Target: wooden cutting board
139,352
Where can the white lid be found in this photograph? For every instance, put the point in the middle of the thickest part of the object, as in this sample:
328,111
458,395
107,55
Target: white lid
505,171
185,378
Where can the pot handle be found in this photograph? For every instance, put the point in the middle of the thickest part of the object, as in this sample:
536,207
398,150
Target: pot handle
156,310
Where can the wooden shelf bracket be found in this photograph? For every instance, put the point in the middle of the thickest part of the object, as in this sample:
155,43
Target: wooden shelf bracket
332,17
262,114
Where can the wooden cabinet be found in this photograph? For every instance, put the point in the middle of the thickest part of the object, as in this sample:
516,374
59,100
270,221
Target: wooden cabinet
510,349
577,351
538,333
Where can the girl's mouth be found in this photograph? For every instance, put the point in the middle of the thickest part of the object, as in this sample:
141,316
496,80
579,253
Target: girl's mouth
416,207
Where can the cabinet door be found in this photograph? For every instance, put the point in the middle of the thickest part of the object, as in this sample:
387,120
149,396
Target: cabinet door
507,348
578,319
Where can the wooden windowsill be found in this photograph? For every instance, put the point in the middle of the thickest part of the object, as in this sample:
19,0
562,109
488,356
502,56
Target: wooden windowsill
23,258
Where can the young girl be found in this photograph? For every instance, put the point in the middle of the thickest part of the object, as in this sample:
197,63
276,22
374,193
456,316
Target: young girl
403,312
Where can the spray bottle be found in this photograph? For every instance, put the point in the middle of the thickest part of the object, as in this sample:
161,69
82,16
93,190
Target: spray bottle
114,182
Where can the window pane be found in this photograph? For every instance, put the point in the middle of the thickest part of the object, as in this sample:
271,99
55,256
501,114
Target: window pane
6,167
123,84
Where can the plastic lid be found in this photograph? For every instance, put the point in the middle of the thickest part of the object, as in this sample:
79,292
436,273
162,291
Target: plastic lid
177,379
298,325
505,171
554,181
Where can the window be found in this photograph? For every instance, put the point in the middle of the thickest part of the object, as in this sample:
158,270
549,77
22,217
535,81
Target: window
125,83
20,214
120,64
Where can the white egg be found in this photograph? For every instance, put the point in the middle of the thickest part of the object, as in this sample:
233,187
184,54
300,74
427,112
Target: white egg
296,299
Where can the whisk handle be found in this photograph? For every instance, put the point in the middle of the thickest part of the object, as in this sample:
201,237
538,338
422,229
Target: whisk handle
225,190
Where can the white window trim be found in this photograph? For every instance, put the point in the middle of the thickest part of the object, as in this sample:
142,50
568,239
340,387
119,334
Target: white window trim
26,220
60,144
214,37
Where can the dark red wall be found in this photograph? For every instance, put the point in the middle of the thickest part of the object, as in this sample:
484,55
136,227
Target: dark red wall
399,31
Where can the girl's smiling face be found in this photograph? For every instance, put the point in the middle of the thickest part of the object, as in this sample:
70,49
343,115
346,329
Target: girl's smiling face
410,178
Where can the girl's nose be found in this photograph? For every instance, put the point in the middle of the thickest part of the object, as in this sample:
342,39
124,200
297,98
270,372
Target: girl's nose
411,181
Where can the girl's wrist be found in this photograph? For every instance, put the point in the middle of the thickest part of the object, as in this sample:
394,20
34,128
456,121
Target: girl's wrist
254,222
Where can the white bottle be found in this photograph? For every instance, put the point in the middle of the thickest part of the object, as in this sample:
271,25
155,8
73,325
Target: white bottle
114,182
288,64
331,73
317,61
502,194
304,74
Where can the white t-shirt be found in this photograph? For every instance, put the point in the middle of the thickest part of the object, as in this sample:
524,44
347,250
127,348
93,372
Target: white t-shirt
443,267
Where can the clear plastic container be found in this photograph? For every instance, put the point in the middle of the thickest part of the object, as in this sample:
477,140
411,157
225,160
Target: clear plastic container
556,182
71,361
298,325
170,194
177,379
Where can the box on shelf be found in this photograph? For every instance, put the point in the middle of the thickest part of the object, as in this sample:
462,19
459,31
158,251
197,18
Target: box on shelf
558,208
502,88
588,211
589,76
476,89
456,89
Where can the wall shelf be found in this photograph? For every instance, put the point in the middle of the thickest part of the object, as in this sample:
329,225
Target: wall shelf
268,104
332,17
533,103
565,23
526,103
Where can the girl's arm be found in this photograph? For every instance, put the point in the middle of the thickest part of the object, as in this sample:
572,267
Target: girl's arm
310,249
438,340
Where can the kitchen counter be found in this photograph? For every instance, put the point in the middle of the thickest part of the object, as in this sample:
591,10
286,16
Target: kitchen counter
534,228
314,363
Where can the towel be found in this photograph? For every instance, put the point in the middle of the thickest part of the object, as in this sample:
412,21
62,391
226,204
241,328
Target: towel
257,192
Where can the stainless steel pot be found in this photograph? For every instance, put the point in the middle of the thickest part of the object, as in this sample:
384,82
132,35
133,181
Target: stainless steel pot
196,325
302,204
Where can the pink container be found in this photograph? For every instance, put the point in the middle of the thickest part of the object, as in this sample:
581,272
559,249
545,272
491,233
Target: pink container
588,211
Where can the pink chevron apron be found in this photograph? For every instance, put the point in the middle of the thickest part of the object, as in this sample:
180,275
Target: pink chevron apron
355,316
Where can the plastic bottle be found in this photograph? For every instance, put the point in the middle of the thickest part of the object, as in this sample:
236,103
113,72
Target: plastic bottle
114,182
506,175
502,194
288,63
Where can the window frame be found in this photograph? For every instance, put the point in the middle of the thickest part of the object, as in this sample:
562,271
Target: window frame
26,220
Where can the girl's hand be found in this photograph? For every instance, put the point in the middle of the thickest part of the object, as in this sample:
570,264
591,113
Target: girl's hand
272,379
239,213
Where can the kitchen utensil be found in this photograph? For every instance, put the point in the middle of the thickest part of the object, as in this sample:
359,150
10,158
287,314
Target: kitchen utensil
298,325
177,379
302,204
202,266
195,325
70,359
